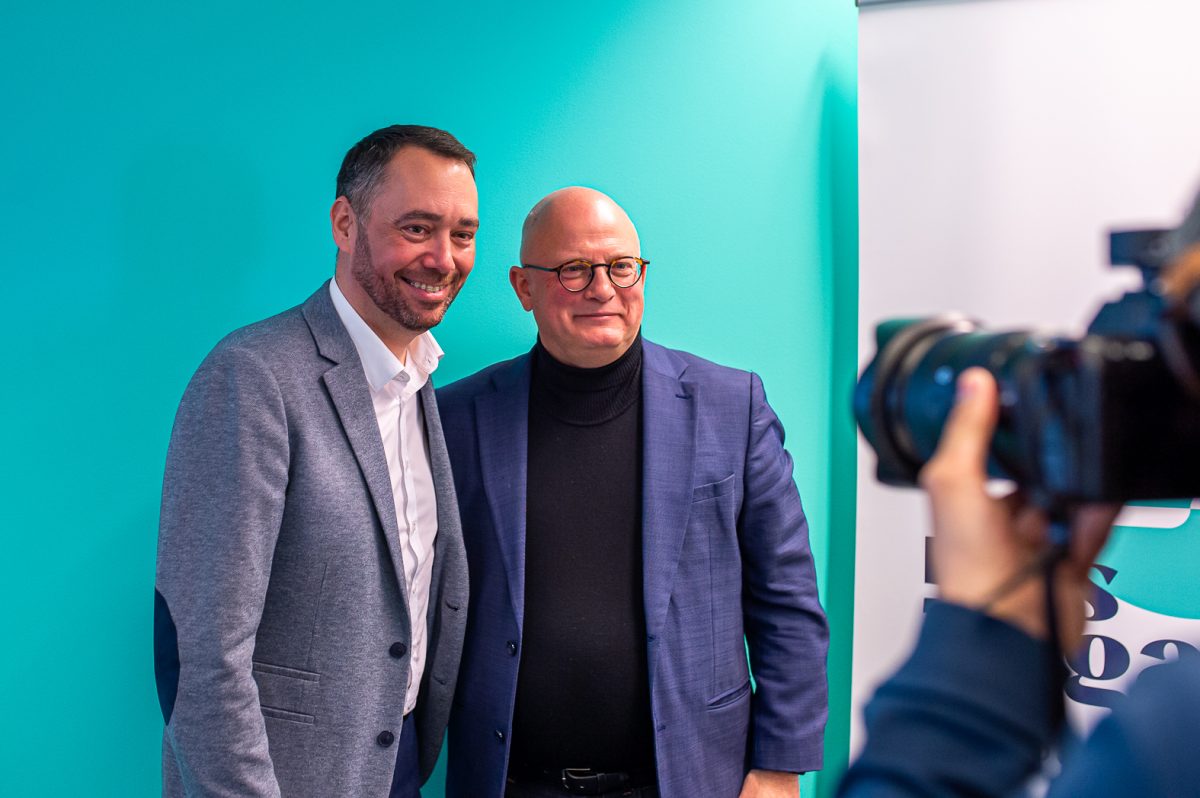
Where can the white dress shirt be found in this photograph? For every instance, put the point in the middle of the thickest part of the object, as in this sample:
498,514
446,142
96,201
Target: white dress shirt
394,386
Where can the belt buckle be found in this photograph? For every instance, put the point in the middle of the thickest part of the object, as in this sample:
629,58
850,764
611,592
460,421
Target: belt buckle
579,780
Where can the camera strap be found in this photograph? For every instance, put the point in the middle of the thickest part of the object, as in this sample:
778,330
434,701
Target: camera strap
1045,565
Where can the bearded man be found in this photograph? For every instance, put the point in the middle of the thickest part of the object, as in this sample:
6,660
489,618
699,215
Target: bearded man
311,589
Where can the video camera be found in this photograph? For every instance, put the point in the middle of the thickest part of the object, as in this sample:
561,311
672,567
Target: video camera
1112,416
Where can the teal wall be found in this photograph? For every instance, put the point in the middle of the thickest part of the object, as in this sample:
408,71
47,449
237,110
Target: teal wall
167,171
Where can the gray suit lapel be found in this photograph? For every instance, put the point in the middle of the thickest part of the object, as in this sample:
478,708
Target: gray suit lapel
668,456
351,397
439,462
449,524
504,461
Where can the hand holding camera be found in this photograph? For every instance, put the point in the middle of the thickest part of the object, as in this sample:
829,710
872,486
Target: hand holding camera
981,542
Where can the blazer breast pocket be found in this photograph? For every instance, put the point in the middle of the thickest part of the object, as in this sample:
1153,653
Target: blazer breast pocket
712,490
286,693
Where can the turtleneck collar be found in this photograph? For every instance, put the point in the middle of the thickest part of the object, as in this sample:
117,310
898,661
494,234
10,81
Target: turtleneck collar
586,396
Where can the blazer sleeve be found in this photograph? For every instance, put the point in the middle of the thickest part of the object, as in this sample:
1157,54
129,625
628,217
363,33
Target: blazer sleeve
223,500
786,631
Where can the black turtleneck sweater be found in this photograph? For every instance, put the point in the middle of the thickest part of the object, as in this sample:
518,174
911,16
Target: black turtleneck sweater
583,698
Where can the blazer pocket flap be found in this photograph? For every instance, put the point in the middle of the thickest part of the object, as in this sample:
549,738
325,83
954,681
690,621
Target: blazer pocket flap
713,489
283,714
287,691
730,697
290,673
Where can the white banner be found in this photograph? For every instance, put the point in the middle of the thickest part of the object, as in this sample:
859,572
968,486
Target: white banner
999,141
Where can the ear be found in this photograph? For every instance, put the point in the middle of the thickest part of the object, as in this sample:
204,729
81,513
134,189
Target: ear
520,283
344,224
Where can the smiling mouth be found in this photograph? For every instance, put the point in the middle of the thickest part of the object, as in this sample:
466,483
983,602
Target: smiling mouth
428,288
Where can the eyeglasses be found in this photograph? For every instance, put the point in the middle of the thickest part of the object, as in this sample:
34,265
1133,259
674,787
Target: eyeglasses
576,275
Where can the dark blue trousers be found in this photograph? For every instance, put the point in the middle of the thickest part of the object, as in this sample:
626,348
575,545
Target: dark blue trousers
406,783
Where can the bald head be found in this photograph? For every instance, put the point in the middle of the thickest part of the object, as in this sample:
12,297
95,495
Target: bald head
573,214
596,324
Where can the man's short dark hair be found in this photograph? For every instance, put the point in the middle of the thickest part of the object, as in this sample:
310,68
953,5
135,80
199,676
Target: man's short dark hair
364,166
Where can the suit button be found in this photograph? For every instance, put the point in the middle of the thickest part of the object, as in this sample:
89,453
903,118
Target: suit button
398,650
385,738
499,735
512,647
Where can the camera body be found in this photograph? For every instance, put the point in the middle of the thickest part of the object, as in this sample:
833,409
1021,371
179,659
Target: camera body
1112,416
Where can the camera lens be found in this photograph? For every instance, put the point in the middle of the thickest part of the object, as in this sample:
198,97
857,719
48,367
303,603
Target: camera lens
905,394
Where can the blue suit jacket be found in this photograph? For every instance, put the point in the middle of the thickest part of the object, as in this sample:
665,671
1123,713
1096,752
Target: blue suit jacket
726,564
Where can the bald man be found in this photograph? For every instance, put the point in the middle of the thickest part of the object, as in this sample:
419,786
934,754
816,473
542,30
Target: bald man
632,530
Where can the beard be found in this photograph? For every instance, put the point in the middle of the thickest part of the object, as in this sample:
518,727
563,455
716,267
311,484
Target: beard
388,297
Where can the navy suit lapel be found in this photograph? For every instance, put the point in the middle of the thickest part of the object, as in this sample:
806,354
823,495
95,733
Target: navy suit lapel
503,417
668,456
347,385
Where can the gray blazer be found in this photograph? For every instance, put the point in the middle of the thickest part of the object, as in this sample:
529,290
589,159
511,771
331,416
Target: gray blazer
282,633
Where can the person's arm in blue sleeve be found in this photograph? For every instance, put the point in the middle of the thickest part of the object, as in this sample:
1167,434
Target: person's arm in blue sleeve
974,709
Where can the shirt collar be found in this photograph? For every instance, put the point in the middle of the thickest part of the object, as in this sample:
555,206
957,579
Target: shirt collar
379,364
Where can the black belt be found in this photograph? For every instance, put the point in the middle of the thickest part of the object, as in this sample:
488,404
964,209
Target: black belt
585,781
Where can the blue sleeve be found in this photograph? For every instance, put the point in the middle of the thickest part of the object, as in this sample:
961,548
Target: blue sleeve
970,713
973,710
786,631
1147,746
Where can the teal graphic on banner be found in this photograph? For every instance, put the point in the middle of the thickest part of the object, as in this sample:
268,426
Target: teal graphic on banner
1145,610
1155,548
